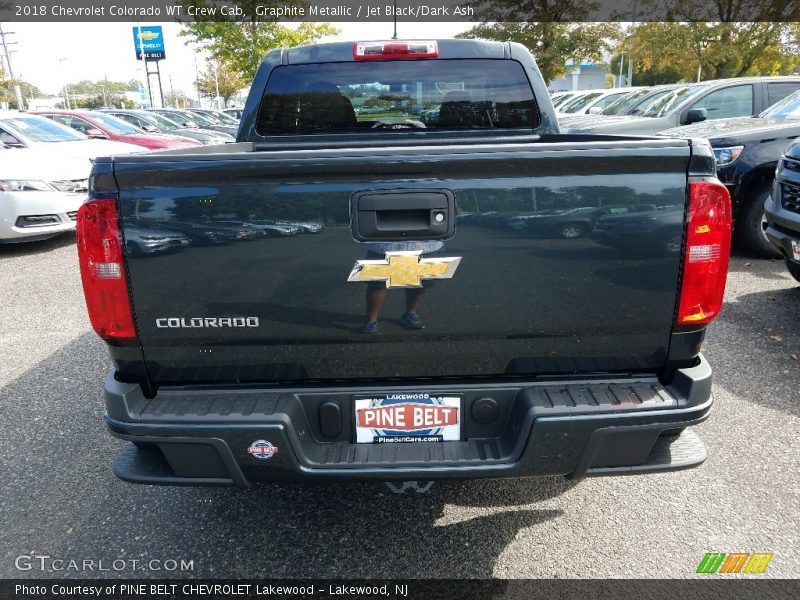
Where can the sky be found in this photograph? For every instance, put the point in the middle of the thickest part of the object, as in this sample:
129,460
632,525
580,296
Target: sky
49,55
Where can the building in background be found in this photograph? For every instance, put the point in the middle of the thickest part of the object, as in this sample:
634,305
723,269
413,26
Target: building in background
584,76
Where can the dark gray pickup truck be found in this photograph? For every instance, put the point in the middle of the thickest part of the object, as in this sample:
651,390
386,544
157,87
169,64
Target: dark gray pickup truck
398,327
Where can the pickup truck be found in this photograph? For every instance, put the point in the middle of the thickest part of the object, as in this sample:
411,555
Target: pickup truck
417,336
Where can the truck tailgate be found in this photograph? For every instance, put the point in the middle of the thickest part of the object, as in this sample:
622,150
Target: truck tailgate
570,253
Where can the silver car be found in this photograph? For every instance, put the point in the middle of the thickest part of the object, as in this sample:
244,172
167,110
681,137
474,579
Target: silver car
692,103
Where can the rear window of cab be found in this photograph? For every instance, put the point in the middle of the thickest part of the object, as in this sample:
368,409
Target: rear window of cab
399,95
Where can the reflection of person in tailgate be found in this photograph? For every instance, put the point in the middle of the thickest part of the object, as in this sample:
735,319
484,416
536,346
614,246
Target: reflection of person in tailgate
377,291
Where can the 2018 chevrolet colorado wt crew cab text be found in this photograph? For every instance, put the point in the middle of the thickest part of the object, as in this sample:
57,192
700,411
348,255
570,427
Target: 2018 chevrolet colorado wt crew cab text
418,335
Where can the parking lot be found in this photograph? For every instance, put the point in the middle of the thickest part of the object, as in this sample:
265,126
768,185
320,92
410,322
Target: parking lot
59,497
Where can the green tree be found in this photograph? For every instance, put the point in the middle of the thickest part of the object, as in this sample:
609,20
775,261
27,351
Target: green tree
220,76
552,43
176,99
669,52
243,43
7,94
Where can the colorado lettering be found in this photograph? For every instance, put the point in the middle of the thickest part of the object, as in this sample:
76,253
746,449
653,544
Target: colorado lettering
196,322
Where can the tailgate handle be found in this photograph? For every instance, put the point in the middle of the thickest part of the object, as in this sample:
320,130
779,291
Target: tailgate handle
398,215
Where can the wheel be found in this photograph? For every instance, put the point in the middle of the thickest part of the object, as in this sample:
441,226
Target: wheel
572,231
794,269
751,225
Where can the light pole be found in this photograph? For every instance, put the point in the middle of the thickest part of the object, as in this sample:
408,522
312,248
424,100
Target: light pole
216,83
702,46
621,62
66,92
630,49
197,81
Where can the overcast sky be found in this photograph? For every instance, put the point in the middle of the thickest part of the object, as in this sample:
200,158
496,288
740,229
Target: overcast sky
51,54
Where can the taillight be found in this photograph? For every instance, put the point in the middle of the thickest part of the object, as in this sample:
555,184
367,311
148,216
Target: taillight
394,49
102,271
708,248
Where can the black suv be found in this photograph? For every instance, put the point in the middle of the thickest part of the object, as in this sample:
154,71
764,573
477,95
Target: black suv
747,150
783,209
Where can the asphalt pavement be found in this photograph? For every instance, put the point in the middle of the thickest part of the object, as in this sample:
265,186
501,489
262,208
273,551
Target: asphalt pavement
59,498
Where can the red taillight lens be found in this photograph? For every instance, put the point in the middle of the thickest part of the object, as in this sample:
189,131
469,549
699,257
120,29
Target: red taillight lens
394,49
708,248
102,271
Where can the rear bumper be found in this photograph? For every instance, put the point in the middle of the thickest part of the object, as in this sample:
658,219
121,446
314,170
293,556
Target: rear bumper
573,428
782,239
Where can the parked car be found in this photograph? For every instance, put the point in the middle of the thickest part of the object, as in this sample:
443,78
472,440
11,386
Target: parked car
24,130
627,105
40,193
560,98
783,210
216,115
747,151
156,123
593,102
692,103
151,240
578,100
564,223
254,362
189,119
236,113
104,126
653,228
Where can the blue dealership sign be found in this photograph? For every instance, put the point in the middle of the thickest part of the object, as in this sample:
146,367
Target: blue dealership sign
150,41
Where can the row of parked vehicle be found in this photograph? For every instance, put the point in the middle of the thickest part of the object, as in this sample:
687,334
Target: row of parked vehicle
748,121
45,157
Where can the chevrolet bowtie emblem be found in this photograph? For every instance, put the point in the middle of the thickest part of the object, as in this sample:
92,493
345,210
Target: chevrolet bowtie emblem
404,268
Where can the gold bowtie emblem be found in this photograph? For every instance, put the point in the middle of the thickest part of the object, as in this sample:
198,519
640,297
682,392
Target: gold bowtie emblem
404,268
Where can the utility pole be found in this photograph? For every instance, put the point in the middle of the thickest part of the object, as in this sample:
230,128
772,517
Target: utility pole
17,90
197,81
66,92
630,49
216,83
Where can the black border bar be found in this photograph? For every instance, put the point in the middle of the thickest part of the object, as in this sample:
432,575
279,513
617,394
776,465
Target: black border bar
406,10
709,587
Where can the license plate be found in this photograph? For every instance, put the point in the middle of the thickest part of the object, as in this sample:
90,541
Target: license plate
393,418
796,249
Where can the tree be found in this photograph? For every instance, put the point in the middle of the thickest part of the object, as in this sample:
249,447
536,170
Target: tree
220,76
243,43
94,94
551,43
7,95
670,52
551,29
176,99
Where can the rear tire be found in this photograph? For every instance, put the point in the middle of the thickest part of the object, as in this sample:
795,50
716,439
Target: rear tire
794,269
751,225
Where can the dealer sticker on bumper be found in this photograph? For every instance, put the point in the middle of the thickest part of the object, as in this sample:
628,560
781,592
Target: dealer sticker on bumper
408,418
796,249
